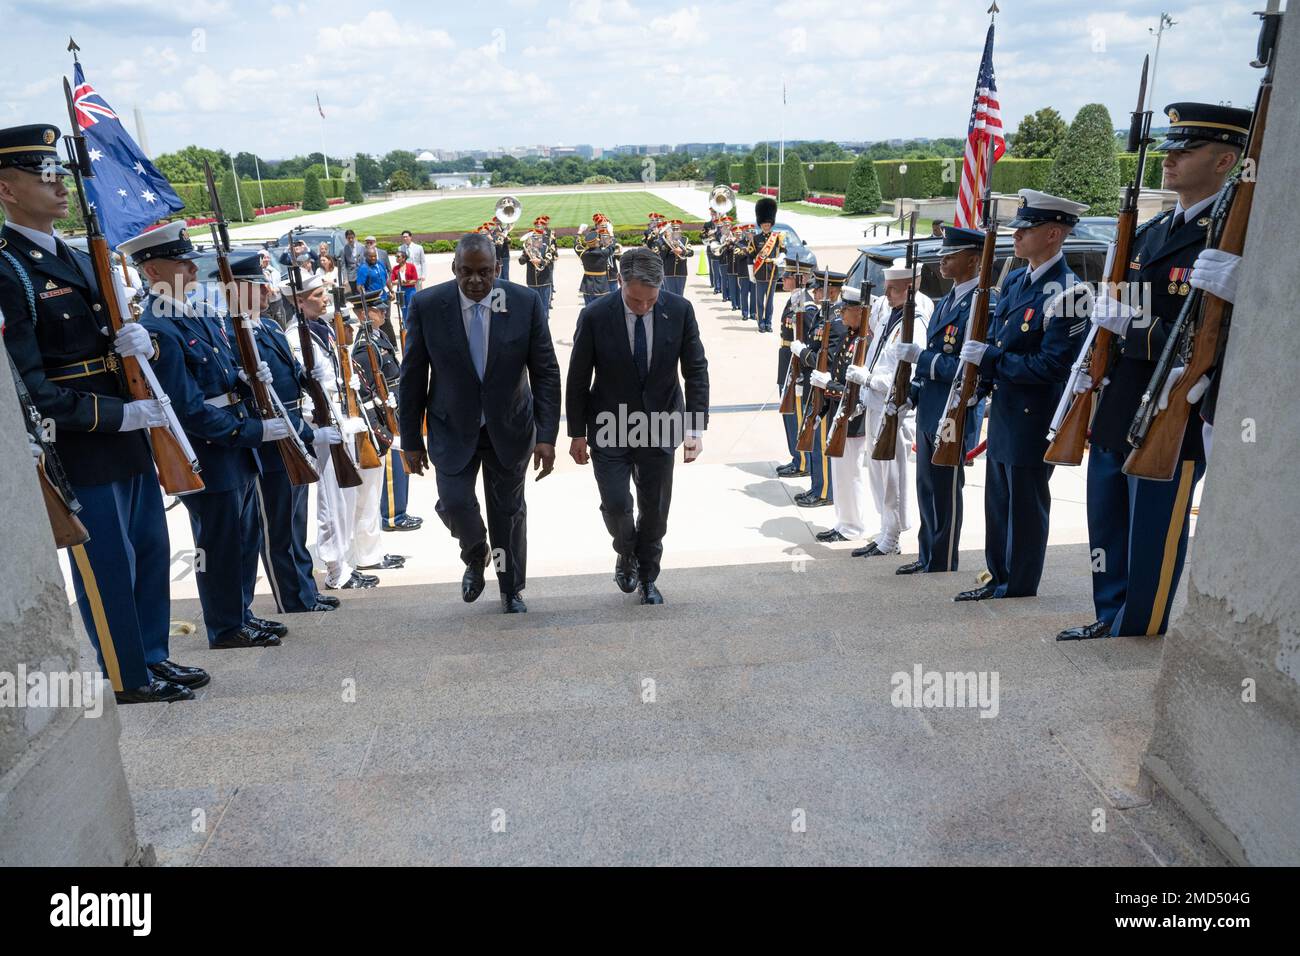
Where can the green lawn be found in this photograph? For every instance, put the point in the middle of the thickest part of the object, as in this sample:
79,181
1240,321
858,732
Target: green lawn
625,210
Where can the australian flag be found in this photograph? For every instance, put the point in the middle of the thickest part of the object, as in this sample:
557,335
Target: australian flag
127,191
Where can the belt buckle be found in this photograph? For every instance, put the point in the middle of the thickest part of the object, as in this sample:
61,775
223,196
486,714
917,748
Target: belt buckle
111,362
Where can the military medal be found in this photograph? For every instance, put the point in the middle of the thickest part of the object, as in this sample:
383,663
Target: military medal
1184,289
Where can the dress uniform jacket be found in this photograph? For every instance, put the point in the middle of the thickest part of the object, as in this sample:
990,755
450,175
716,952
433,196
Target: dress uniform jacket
288,379
53,322
1163,262
788,333
765,272
835,392
595,271
546,274
675,266
938,364
1033,340
808,359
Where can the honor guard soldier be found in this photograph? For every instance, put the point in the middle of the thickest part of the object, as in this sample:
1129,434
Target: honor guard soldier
615,253
742,249
847,474
653,230
539,256
1140,526
595,261
769,250
935,365
826,287
1034,337
500,233
675,253
709,235
280,507
800,265
55,330
887,479
196,366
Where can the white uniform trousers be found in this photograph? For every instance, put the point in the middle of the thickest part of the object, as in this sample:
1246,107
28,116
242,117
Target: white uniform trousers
333,524
849,480
367,529
888,482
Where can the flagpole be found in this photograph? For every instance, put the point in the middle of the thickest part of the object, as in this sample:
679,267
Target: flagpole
780,156
238,197
323,154
257,168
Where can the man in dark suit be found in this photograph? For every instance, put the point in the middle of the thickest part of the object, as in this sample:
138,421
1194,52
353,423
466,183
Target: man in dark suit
630,421
480,369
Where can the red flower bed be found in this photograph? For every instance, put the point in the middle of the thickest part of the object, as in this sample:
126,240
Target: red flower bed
200,221
836,201
272,210
767,190
337,202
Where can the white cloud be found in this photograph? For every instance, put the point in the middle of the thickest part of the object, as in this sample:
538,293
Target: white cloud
380,30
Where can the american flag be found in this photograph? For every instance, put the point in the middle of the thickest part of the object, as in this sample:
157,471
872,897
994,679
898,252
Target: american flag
126,191
985,125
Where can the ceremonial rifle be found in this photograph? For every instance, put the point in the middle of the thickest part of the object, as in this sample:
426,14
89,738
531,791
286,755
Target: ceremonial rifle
886,446
839,433
815,398
380,387
60,500
949,445
790,389
367,449
178,466
1200,333
266,403
1068,434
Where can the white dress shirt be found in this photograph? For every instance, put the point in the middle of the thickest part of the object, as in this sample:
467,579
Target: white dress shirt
47,241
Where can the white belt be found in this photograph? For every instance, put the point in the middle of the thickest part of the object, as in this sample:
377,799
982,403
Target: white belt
223,401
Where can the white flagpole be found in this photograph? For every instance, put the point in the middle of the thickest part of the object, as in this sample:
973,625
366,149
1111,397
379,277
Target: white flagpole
780,158
238,197
258,169
323,154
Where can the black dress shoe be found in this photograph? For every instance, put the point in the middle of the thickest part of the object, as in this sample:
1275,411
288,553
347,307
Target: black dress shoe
329,599
513,603
914,567
803,496
873,550
318,607
391,562
471,582
791,471
977,594
358,582
812,502
271,627
247,636
830,536
175,673
404,523
155,692
650,594
625,573
1088,632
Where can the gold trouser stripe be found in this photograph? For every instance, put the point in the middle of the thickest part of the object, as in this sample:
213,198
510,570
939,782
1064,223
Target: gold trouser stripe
826,462
804,461
391,511
1172,537
91,587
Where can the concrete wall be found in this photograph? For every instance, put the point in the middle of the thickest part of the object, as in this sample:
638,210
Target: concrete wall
1234,766
63,793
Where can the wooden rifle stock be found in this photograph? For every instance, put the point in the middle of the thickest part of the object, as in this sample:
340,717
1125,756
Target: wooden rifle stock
1157,435
367,453
66,526
381,384
886,444
177,469
322,410
790,391
839,433
808,428
949,446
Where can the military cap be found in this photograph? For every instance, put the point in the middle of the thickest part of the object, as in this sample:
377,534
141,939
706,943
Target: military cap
765,211
367,297
959,239
828,276
171,241
1194,124
245,266
1039,208
31,148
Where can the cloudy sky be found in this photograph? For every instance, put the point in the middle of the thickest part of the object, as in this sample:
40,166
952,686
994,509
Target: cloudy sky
243,76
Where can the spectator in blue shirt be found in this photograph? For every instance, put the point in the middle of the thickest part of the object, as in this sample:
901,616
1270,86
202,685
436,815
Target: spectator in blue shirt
373,277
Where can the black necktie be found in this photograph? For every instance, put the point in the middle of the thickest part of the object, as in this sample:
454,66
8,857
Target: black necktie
65,254
1176,223
639,349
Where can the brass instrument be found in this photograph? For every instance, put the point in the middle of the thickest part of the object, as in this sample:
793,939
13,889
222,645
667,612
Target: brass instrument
539,251
722,199
507,212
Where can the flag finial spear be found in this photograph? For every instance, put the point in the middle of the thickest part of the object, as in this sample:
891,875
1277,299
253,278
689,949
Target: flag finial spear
993,10
73,48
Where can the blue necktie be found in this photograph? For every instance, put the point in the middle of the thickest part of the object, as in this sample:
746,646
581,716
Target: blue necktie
639,350
478,340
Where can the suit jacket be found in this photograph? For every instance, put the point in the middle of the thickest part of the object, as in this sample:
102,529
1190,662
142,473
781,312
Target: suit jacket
520,393
1034,338
47,335
600,347
1163,262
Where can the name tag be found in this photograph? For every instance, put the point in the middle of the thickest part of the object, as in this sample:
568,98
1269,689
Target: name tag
53,292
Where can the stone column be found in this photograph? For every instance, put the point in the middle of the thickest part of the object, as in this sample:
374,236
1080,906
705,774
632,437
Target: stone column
1226,744
63,792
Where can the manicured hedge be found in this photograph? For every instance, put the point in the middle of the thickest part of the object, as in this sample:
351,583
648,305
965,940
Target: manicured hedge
276,191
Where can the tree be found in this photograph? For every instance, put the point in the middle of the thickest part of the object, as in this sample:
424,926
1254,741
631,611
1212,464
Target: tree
316,169
400,180
1086,169
232,206
313,197
368,172
689,170
186,165
863,193
749,175
722,171
1040,135
249,165
352,191
794,185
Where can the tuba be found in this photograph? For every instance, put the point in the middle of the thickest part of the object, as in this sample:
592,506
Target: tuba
507,213
722,199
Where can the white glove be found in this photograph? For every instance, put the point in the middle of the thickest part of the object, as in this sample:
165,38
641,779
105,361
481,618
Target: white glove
797,348
1215,271
35,447
1193,394
132,340
263,375
274,429
354,383
1111,314
318,372
145,413
329,435
972,401
858,375
881,384
352,426
391,401
891,409
902,352
1084,384
820,379
973,352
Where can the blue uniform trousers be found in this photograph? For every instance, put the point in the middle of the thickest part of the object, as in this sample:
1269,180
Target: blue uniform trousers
226,538
939,497
396,488
1137,530
280,510
120,577
1017,509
